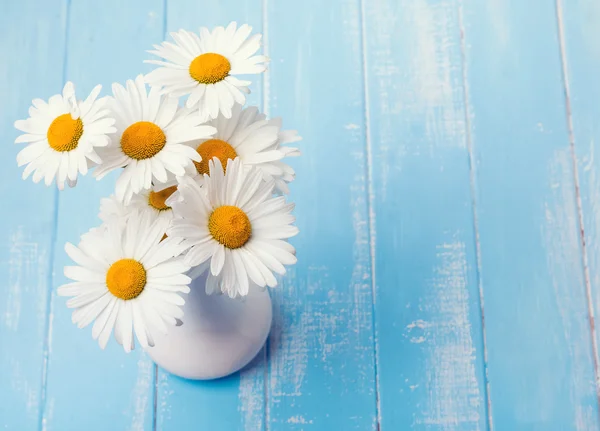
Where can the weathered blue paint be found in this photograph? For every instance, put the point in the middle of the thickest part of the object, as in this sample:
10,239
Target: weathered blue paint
32,42
540,360
447,199
88,388
430,340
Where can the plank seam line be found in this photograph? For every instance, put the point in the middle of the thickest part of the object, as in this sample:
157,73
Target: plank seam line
155,398
580,220
155,385
265,108
52,257
473,187
370,211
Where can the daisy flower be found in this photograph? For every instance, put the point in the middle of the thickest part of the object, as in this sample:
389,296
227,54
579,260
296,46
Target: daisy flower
126,279
113,208
278,171
152,202
235,226
63,134
254,139
149,140
204,67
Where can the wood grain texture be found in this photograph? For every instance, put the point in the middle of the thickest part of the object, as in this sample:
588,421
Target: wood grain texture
427,311
448,199
578,30
540,360
89,388
32,45
321,361
236,402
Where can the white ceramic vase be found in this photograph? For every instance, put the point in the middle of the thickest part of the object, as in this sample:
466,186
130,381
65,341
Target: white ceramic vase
218,337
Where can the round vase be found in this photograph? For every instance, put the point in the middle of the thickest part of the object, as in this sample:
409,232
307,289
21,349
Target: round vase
218,335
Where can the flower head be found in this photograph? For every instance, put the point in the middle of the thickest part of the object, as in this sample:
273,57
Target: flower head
234,225
258,142
151,202
149,140
204,67
127,279
63,135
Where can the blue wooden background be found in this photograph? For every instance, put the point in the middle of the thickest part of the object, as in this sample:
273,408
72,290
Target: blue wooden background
448,200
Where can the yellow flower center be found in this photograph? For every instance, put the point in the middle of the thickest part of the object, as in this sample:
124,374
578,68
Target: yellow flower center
64,133
209,68
214,148
157,199
126,279
230,226
143,140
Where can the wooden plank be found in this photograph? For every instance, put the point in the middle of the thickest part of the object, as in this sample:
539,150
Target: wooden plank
32,45
541,366
236,402
87,387
580,54
427,309
321,360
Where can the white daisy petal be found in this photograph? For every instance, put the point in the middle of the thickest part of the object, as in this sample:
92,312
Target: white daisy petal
269,260
86,298
86,314
153,318
248,135
61,135
218,260
77,288
139,326
240,243
82,259
117,290
183,288
110,324
31,152
78,273
125,326
240,273
200,254
252,268
212,284
167,269
231,52
149,138
103,319
281,255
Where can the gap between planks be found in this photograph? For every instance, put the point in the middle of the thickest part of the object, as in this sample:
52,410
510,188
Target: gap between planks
52,256
473,186
580,220
370,211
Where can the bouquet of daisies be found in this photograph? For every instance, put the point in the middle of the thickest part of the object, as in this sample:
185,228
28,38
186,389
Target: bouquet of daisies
201,185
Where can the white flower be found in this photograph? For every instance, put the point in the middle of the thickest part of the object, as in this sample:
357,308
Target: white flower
150,137
151,202
203,67
234,224
254,139
63,135
127,280
280,172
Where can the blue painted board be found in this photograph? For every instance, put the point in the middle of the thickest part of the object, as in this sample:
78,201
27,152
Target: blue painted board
430,340
321,359
88,388
540,360
32,46
448,199
580,53
236,402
